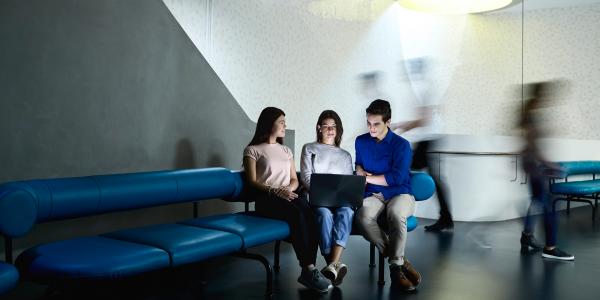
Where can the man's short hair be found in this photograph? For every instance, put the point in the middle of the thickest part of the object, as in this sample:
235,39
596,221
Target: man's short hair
380,107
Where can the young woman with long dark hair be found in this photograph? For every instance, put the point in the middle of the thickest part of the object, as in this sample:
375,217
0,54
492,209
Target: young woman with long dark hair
335,224
269,167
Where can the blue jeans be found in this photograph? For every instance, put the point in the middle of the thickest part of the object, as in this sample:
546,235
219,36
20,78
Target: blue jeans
335,225
541,197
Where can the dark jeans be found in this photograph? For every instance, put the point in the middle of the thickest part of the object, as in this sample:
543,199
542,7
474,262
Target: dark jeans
420,161
301,219
540,196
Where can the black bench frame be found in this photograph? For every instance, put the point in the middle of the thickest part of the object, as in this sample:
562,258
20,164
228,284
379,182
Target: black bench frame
252,256
592,199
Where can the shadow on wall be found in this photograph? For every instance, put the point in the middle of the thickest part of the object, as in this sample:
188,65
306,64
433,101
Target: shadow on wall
214,158
141,89
184,155
108,86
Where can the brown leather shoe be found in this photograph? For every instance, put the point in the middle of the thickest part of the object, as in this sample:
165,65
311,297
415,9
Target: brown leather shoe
410,272
399,279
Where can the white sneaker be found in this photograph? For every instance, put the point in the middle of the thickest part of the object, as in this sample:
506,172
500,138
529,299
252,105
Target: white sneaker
341,270
330,272
335,272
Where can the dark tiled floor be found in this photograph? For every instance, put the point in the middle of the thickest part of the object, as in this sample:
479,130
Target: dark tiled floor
476,261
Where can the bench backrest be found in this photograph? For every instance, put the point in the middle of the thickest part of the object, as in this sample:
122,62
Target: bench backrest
580,167
24,203
422,186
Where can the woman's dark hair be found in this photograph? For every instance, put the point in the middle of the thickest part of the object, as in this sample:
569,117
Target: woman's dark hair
380,107
330,114
264,126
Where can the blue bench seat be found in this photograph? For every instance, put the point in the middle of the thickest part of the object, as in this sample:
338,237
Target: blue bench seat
254,231
93,257
130,252
584,191
411,223
8,277
584,187
184,244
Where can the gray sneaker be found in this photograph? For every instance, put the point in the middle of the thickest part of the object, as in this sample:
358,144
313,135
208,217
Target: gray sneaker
314,280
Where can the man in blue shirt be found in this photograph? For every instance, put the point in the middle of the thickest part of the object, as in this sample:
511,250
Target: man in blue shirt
385,158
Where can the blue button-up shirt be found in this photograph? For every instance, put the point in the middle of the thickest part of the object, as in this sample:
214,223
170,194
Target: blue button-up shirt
391,157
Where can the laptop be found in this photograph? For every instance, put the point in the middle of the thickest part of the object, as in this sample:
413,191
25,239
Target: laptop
332,190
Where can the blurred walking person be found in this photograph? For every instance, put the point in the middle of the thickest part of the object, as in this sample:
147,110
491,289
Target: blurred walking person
539,169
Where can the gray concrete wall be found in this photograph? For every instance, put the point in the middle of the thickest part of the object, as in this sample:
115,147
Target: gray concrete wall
108,86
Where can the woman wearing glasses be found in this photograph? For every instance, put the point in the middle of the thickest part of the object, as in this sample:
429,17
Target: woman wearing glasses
335,224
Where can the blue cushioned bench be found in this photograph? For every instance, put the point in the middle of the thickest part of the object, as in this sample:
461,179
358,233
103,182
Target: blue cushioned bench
128,252
133,251
8,277
586,191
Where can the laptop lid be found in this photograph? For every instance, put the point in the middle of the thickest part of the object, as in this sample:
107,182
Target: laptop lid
333,190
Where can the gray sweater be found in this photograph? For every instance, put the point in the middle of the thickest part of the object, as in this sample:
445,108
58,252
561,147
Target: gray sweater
323,158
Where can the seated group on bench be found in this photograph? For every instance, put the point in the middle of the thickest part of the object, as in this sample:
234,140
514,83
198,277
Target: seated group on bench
383,158
381,155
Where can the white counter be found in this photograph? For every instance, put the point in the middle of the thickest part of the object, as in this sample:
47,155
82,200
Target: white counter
482,181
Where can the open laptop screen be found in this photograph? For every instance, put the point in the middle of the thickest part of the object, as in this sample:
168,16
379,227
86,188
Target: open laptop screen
332,190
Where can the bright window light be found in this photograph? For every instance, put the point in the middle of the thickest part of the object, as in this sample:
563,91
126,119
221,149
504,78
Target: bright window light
454,6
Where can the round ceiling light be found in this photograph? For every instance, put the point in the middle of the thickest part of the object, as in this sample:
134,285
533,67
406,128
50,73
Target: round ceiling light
454,6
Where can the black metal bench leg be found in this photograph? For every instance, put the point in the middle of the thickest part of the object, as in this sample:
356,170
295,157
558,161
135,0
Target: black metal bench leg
595,208
8,249
276,258
593,211
265,262
372,256
51,291
381,280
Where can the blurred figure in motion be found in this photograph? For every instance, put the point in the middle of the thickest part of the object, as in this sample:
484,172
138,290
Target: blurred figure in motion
370,85
539,170
422,86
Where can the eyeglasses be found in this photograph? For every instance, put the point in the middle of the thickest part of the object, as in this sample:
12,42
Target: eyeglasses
327,128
